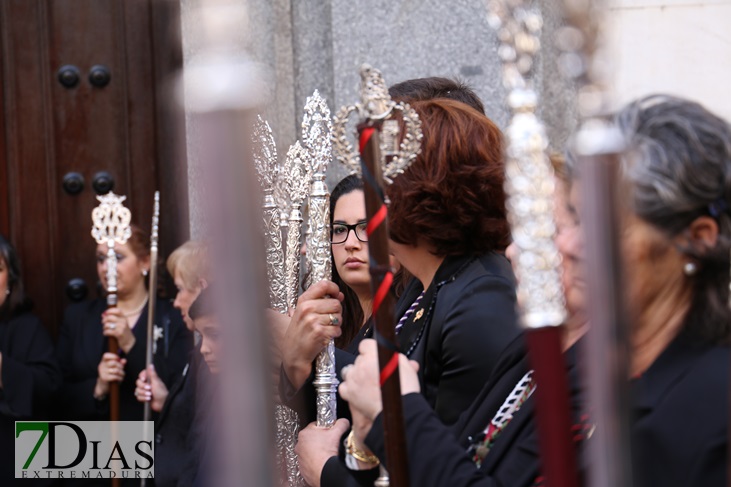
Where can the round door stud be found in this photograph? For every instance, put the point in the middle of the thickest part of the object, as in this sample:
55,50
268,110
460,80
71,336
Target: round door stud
69,76
99,76
73,183
76,289
103,182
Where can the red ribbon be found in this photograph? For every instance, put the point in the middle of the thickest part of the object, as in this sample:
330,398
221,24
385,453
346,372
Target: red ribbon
377,220
382,291
389,369
365,136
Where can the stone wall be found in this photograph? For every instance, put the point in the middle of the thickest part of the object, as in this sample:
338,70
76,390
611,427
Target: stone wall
305,45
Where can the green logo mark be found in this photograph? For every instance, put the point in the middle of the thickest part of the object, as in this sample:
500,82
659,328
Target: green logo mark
42,427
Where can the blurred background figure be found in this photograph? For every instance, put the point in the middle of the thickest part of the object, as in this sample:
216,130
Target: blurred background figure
29,373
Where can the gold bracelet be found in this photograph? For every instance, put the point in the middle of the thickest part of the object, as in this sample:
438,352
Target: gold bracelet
359,455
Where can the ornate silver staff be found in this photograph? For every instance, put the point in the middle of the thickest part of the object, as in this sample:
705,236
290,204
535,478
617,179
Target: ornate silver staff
316,129
381,160
110,226
267,168
151,299
597,146
529,184
297,178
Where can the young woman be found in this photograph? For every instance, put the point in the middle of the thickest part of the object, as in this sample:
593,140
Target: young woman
349,243
88,368
29,373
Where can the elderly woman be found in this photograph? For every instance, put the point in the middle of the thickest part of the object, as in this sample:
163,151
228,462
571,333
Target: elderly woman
188,264
676,245
458,313
29,373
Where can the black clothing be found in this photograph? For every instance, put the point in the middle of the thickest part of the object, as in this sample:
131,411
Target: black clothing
469,318
438,454
174,424
81,345
30,376
681,408
464,321
202,458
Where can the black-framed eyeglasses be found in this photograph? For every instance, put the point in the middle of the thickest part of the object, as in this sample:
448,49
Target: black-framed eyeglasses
340,232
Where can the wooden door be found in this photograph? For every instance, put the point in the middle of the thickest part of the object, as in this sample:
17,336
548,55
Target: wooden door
84,105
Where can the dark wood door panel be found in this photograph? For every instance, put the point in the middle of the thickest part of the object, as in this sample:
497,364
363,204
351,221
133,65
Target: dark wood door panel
49,130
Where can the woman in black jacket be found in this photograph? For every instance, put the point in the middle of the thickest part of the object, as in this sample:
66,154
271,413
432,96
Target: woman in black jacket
29,373
448,228
88,368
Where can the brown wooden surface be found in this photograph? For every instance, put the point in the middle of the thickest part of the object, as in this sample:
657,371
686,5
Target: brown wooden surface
48,130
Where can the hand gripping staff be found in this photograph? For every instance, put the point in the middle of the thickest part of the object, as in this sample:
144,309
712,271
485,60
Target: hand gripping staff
384,153
268,172
529,188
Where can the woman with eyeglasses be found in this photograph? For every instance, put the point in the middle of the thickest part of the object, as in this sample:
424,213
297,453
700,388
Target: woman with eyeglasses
345,301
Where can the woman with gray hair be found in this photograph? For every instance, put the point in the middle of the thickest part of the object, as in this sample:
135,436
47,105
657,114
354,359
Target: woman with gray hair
676,243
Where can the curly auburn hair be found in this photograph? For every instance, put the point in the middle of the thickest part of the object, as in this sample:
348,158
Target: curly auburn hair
451,198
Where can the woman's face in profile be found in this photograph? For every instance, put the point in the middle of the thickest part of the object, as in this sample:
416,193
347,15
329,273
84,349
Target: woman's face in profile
184,298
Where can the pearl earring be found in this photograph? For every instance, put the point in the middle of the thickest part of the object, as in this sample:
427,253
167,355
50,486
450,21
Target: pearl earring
7,292
144,272
689,269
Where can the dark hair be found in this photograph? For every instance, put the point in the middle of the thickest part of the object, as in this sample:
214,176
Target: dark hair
451,197
203,305
352,312
17,302
678,161
422,89
139,242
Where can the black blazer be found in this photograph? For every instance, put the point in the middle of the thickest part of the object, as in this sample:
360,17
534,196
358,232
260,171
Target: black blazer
468,318
80,348
681,409
437,454
30,376
174,424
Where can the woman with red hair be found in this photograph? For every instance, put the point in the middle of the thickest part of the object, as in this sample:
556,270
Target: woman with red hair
448,228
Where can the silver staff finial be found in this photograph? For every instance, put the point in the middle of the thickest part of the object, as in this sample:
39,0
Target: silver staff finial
265,154
376,105
529,175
